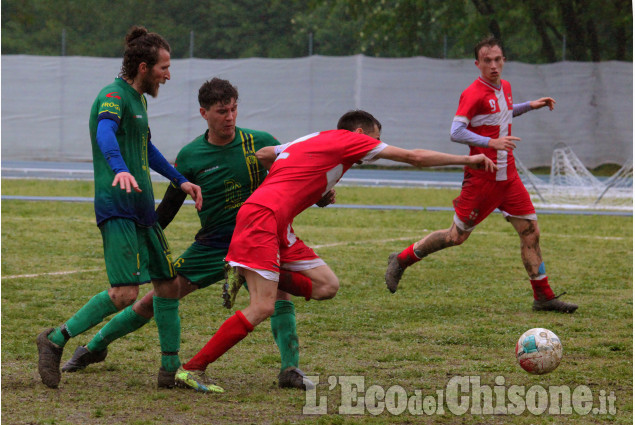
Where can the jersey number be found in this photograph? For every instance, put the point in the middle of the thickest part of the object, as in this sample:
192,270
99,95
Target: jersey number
492,104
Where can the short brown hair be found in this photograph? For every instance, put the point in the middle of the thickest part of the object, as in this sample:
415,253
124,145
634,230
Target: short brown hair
216,90
358,119
489,41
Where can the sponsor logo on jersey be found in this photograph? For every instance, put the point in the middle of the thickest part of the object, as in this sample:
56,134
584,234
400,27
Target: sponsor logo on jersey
111,105
138,116
113,94
207,170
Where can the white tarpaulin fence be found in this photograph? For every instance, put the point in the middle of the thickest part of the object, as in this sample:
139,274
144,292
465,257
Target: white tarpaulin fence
46,102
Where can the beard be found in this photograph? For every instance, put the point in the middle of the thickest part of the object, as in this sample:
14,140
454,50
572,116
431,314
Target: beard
149,86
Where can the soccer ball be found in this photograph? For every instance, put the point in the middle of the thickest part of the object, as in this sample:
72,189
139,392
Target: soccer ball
539,351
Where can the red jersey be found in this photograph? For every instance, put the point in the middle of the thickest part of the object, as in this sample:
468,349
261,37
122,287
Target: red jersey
487,111
309,167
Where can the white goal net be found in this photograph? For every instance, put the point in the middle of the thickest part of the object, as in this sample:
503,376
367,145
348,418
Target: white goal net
571,185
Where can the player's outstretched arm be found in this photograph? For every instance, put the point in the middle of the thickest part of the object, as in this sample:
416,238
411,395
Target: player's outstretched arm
428,158
542,102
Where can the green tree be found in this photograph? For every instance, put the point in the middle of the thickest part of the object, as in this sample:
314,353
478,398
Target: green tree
533,31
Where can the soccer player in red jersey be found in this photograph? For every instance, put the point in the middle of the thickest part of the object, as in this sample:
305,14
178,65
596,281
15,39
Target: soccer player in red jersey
484,121
264,243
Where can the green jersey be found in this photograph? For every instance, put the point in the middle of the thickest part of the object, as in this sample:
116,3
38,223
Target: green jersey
227,175
124,105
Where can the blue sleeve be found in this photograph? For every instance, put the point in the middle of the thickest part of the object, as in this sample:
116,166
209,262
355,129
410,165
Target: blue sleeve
161,165
107,142
521,108
460,134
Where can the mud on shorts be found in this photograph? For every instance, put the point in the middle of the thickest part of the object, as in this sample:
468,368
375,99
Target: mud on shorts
480,196
135,254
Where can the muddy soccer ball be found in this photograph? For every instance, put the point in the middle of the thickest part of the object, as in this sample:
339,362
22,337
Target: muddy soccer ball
539,351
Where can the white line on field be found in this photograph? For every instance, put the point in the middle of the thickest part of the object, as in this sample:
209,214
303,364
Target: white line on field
415,238
331,245
16,276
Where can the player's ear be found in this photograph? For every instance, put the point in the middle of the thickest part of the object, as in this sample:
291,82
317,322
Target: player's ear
359,130
203,112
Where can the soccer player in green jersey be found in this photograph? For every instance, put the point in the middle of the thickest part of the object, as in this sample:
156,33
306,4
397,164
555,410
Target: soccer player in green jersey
135,249
222,161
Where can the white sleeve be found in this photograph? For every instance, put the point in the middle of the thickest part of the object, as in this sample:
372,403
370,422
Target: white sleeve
370,156
279,148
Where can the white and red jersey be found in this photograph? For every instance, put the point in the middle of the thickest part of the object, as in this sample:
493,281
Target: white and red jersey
487,111
309,167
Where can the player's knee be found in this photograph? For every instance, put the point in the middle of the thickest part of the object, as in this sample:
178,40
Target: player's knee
333,287
264,310
123,296
327,289
456,236
459,238
144,307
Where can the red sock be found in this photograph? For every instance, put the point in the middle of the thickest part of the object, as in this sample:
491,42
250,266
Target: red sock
295,283
232,331
407,257
542,290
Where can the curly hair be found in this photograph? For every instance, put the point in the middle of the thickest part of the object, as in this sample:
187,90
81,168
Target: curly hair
141,46
489,41
358,119
216,90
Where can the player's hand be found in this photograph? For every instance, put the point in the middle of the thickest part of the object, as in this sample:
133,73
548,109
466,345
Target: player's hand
125,180
195,192
327,199
481,162
542,102
506,143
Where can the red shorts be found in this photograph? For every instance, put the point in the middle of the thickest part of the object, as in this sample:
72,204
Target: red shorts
479,197
260,243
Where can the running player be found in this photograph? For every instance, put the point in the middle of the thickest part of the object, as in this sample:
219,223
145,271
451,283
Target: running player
264,245
483,121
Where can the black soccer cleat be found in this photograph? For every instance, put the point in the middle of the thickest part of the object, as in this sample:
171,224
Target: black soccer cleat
292,377
82,358
555,304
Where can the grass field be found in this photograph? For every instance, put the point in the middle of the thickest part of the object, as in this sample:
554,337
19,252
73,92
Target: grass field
457,314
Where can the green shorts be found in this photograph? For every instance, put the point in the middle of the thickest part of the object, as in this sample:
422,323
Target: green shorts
202,265
135,254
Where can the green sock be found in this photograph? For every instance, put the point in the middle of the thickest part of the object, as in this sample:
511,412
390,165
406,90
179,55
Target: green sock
91,314
122,324
285,334
166,314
